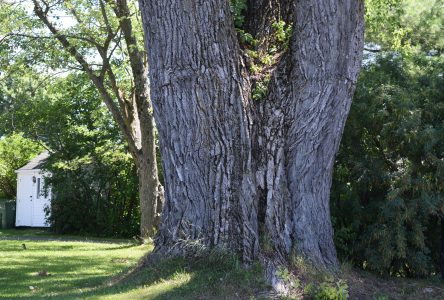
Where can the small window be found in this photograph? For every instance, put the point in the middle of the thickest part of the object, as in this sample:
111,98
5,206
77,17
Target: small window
38,188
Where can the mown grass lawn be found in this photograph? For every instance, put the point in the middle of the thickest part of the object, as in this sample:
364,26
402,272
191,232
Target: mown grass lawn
101,269
65,267
88,268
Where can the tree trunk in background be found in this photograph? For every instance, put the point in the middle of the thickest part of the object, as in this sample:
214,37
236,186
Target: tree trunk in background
148,188
130,106
260,16
237,170
145,139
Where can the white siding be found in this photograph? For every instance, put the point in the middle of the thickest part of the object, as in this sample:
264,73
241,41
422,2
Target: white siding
30,206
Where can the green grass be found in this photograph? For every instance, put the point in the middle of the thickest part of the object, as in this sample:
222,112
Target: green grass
104,269
47,234
73,266
25,232
214,277
92,268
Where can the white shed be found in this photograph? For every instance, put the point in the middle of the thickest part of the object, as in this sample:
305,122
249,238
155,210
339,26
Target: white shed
31,199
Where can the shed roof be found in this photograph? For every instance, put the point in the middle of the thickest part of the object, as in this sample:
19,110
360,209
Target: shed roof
35,163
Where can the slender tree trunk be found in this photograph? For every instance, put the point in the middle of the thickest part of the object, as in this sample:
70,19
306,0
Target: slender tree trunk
131,108
148,186
237,170
144,138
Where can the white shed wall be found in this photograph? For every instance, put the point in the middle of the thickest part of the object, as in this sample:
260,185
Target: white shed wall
31,204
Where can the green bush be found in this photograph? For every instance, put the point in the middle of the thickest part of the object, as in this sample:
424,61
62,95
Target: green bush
94,180
238,8
15,152
329,290
387,193
95,194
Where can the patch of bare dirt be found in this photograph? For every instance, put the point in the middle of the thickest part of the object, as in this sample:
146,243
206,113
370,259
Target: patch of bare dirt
363,286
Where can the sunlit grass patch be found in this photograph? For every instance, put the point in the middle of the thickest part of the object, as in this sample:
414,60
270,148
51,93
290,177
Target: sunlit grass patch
54,268
209,277
106,270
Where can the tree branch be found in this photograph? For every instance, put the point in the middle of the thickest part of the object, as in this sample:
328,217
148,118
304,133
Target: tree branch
98,82
372,50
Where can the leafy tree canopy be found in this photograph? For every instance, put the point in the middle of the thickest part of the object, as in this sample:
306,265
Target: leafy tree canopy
15,152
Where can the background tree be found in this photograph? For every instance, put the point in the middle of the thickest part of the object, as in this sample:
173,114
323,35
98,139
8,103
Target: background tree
101,39
94,179
15,152
251,176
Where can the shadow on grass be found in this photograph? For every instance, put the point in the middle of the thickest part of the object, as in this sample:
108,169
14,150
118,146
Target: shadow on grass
63,267
212,277
75,271
29,249
45,234
62,274
120,247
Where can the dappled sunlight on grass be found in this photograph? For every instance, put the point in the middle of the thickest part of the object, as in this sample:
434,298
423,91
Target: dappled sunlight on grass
64,266
106,270
156,290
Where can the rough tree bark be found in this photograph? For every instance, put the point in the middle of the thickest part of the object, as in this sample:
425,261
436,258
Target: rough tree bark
199,97
131,110
252,177
310,97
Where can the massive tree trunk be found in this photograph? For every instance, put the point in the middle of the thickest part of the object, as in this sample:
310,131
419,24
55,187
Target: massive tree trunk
236,171
199,96
310,98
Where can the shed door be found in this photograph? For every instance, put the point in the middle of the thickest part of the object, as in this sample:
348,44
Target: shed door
39,202
24,200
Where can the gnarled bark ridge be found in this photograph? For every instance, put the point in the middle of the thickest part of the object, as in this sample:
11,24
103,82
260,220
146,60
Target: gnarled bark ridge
251,177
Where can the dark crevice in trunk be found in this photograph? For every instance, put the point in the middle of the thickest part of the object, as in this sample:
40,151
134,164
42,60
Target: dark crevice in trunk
261,14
